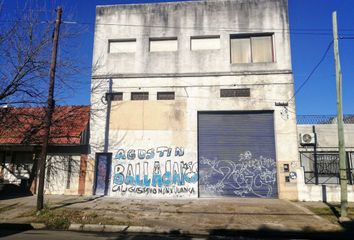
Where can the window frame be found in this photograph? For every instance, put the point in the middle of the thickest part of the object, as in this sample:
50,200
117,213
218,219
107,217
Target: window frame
250,36
161,39
123,40
205,37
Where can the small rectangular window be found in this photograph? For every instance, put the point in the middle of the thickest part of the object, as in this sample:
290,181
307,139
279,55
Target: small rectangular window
163,44
165,95
115,96
138,96
205,43
251,48
240,92
122,46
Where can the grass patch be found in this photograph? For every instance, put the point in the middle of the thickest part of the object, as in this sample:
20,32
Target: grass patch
331,212
60,219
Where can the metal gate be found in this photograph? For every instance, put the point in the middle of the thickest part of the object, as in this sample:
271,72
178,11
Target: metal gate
237,154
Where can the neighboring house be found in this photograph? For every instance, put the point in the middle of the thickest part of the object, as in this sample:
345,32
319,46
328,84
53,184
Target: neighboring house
318,147
21,136
186,100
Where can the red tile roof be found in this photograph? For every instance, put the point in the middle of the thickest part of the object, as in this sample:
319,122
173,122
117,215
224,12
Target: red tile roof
25,125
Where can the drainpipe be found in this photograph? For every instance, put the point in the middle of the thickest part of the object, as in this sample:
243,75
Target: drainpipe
108,116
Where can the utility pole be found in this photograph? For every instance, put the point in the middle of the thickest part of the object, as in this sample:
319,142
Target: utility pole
49,112
341,144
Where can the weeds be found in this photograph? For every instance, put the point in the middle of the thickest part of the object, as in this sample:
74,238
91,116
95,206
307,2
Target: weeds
61,219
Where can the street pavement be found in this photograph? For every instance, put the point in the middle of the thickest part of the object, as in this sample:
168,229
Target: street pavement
228,217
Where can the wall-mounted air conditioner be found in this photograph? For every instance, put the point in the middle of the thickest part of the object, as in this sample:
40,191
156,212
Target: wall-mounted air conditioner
307,138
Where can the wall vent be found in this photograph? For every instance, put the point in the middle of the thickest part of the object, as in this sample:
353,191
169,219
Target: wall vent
240,92
138,96
165,95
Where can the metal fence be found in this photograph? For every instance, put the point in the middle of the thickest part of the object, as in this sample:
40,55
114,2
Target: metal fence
323,119
323,167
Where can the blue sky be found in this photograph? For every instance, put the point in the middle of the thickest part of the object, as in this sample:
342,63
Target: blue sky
311,26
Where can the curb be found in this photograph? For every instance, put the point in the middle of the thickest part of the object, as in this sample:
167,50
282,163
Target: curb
131,229
38,226
117,228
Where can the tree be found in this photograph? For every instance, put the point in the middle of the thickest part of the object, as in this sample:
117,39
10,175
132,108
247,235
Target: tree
25,50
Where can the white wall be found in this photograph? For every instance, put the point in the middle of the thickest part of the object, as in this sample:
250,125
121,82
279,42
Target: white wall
57,178
196,77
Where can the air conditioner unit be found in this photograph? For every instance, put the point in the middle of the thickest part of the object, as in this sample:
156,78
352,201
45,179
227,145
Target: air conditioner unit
307,138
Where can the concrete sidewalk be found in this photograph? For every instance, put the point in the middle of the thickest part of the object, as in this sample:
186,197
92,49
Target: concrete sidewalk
197,216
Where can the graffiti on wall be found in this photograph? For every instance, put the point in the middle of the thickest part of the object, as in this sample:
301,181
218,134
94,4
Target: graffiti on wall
152,171
246,176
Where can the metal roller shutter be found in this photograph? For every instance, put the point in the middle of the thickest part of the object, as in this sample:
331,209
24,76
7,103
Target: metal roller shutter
237,154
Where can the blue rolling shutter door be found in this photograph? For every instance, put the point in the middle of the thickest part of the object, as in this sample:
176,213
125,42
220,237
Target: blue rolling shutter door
237,155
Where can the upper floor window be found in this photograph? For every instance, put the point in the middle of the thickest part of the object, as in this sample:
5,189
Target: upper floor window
122,46
163,44
205,43
252,48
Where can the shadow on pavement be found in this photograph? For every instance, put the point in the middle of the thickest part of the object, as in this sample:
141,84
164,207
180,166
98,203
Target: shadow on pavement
10,191
279,234
75,202
7,229
348,226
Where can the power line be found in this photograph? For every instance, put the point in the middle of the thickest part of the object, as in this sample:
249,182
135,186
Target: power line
313,71
295,31
304,31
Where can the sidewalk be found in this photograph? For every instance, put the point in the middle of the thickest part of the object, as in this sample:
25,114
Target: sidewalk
197,216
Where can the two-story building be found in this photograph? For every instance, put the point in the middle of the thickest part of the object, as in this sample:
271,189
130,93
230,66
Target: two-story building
188,101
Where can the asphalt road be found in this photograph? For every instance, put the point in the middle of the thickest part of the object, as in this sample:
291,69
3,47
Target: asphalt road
67,235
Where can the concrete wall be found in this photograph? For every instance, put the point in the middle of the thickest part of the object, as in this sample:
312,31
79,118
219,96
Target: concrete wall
327,141
196,77
60,177
322,192
327,136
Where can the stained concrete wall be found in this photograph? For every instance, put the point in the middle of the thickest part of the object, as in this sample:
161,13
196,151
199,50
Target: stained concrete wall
196,77
60,177
327,136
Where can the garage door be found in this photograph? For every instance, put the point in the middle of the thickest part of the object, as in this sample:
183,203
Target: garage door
237,154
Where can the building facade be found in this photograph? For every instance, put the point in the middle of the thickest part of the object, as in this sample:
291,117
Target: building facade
187,101
21,137
319,157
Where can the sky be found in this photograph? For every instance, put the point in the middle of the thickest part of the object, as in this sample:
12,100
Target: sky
311,33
